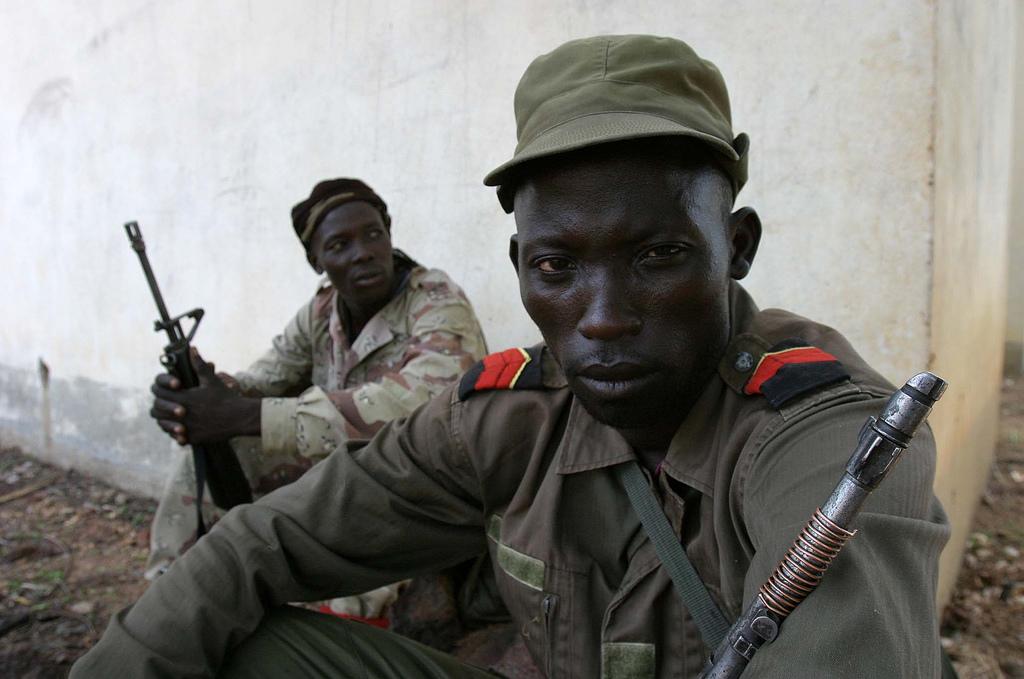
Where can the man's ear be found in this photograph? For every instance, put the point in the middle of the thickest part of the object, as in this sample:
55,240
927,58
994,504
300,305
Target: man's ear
745,229
513,251
312,262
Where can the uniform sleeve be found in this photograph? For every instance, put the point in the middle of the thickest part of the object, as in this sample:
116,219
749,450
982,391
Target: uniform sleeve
403,504
874,614
445,341
288,365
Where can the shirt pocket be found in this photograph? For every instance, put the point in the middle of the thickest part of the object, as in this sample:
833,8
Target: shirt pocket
539,598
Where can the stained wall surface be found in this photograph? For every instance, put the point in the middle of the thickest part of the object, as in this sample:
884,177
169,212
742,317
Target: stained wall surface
207,121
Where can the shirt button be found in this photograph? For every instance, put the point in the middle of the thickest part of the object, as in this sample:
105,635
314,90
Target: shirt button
744,362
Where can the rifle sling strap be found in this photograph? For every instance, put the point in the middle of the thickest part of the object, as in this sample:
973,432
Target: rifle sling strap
199,462
688,585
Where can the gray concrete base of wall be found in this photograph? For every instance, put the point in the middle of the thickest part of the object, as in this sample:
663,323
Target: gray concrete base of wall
98,429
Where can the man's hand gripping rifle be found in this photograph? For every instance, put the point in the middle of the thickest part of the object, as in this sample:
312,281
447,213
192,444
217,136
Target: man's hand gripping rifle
882,440
215,463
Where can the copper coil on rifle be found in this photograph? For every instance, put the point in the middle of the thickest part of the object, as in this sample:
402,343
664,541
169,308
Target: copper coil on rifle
805,563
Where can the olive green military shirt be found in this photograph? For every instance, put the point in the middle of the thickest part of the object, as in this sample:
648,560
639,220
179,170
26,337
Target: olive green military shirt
529,474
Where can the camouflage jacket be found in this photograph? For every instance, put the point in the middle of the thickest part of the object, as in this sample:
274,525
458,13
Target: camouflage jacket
319,391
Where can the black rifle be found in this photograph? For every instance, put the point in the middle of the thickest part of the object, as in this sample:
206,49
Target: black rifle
215,463
882,440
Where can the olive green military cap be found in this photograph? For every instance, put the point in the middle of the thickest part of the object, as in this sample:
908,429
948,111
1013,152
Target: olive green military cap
619,87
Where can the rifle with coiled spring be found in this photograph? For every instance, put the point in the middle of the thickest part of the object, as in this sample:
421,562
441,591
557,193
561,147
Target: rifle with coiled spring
882,440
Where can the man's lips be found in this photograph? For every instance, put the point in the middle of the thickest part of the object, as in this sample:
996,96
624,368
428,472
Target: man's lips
367,277
616,372
618,380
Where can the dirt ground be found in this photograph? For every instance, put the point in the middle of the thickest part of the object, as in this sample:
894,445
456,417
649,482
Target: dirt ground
72,550
983,627
71,554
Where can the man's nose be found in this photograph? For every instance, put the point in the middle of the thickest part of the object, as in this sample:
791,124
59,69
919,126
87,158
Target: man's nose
610,314
361,253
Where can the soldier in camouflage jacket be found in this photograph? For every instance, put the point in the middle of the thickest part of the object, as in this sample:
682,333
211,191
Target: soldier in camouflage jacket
336,372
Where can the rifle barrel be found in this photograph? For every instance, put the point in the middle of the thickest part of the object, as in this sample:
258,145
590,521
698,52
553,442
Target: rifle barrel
139,245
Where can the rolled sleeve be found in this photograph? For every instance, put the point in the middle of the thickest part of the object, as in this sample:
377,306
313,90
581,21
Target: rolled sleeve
278,425
308,425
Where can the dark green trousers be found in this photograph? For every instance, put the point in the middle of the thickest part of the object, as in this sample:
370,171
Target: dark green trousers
294,642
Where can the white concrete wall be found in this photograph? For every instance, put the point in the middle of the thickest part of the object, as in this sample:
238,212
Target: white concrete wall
207,121
1014,363
973,161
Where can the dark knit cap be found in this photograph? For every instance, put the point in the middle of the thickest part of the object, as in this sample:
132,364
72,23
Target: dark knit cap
326,196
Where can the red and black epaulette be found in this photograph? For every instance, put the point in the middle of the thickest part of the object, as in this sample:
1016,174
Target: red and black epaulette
510,369
791,368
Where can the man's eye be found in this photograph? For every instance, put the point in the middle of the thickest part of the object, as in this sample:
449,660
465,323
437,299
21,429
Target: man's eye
662,251
374,234
552,265
336,246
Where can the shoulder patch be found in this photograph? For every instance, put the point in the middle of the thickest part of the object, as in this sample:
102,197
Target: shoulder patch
510,369
791,368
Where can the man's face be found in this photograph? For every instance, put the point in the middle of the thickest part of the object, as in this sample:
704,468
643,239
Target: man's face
624,263
353,247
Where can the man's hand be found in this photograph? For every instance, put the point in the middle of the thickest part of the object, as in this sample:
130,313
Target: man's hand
213,411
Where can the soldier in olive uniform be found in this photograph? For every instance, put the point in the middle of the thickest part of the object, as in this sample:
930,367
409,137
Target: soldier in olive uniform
628,252
378,339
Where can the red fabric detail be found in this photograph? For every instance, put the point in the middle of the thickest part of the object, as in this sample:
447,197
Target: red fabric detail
771,363
382,623
500,369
